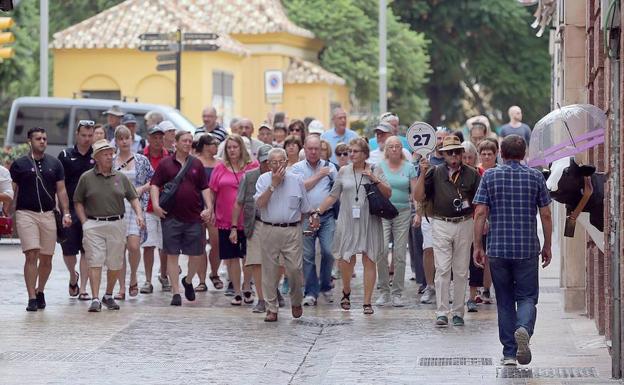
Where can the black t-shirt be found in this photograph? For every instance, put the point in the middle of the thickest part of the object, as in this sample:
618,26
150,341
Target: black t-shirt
75,164
30,191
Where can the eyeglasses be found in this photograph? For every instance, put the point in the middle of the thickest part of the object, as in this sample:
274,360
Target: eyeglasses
342,154
457,151
87,123
277,162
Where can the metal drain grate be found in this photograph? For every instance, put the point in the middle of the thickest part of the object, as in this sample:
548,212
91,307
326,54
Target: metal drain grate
511,372
45,356
321,322
455,361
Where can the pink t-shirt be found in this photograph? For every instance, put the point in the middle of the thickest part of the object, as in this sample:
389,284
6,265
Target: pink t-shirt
224,184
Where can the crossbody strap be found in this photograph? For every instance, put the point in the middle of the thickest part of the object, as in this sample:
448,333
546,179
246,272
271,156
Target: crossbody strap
183,170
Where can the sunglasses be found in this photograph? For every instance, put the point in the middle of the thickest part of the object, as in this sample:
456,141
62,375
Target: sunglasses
456,151
342,154
295,130
87,123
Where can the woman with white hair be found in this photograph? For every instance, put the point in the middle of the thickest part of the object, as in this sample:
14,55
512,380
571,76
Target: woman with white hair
470,155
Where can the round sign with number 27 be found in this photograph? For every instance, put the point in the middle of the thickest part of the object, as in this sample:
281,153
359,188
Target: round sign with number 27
421,138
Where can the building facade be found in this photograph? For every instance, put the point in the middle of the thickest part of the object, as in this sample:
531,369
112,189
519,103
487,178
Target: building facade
99,57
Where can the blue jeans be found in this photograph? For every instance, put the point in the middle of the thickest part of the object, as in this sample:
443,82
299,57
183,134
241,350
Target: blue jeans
516,282
325,235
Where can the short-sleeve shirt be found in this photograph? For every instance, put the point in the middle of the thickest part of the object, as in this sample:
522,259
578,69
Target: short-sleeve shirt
441,191
287,202
334,138
513,193
319,192
523,130
188,198
31,192
103,195
399,181
154,161
75,164
218,132
224,184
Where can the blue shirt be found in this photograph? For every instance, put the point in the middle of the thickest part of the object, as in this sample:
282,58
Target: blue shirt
333,138
320,191
400,183
372,143
513,193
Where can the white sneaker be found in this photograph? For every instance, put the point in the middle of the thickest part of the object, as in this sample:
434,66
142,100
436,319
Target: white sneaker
509,361
309,301
327,296
397,301
428,296
383,300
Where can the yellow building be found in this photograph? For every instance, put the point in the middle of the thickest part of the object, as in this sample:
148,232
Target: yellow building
99,57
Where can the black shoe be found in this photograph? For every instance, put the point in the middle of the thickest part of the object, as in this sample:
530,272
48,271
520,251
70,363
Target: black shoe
110,303
189,292
176,300
41,303
32,305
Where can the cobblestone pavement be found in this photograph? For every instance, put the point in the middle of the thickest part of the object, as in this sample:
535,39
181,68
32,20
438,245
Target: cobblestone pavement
212,342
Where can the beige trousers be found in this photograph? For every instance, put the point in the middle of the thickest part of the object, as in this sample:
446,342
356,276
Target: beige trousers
286,242
451,252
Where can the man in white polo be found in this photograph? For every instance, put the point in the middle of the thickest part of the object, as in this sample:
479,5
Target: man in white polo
99,203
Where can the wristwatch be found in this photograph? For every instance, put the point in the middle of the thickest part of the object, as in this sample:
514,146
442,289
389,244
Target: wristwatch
271,188
233,228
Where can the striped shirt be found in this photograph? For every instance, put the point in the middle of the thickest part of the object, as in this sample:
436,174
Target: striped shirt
513,193
218,132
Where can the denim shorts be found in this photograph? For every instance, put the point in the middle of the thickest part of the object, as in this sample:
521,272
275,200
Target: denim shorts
183,237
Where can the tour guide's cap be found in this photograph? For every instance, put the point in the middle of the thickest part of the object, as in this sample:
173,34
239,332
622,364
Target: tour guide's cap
101,145
114,110
383,127
451,142
166,125
128,119
316,127
263,153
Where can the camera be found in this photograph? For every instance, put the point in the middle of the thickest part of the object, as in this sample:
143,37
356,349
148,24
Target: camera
457,203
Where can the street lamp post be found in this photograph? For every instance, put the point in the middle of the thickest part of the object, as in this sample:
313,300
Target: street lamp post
43,48
383,77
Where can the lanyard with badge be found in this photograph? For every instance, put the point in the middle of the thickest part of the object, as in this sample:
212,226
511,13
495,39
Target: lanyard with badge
355,209
459,203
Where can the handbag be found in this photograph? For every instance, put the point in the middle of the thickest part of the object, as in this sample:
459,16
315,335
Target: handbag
61,236
378,204
6,226
165,200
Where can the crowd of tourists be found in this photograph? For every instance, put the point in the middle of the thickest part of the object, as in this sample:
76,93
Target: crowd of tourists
285,210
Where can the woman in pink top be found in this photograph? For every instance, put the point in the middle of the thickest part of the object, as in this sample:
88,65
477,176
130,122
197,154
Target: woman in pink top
224,182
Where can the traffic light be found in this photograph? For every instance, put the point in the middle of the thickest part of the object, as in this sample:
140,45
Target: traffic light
6,38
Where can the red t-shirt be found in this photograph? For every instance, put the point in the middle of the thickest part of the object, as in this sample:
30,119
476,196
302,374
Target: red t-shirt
154,161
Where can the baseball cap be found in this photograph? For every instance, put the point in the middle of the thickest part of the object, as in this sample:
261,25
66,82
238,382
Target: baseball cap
155,129
166,125
265,125
128,119
263,153
316,127
383,127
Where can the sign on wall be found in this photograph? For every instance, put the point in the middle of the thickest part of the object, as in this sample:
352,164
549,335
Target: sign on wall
273,86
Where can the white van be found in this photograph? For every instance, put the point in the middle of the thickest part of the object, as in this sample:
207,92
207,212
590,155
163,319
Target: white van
60,116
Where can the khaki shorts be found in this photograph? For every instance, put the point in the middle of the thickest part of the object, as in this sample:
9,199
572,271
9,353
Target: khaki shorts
36,231
154,231
104,243
254,246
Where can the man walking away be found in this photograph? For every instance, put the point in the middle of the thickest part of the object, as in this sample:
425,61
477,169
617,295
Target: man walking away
511,195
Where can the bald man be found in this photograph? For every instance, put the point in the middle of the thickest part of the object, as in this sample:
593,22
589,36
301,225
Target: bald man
211,125
247,129
515,125
339,133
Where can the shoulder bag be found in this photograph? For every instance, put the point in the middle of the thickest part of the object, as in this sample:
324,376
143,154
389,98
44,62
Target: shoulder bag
165,200
61,236
378,204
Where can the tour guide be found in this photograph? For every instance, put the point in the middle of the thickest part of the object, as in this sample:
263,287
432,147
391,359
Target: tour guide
98,200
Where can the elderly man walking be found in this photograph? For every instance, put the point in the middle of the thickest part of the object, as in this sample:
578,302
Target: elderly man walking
449,188
340,133
37,178
511,195
211,125
99,203
318,178
282,199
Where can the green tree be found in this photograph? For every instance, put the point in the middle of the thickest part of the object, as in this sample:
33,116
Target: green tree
349,31
19,76
484,56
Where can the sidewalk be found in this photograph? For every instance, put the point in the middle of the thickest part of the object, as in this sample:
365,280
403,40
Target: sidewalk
212,342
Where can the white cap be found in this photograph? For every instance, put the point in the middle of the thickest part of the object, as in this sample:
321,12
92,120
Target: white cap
316,127
166,125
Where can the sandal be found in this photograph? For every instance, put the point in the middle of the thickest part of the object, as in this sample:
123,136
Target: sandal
74,289
133,290
345,302
216,282
121,296
248,297
84,297
237,300
368,309
201,287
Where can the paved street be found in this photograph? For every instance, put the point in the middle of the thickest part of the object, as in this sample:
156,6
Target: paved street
210,341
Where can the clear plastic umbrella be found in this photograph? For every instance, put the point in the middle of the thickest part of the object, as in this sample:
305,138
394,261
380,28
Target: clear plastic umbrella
566,131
